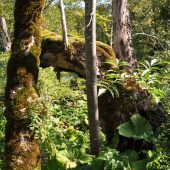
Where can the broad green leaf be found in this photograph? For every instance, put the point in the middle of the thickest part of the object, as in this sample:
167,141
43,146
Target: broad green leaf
65,161
137,128
74,156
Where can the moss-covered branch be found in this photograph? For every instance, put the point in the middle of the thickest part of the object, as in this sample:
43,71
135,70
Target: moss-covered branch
73,59
21,149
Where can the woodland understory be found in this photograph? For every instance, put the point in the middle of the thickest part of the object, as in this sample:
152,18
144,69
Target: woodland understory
133,94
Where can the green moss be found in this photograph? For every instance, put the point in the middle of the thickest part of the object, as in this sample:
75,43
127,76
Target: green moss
77,39
53,42
106,48
46,34
20,104
34,51
76,52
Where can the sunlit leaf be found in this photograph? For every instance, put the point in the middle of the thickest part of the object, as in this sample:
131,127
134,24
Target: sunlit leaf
101,91
154,61
137,127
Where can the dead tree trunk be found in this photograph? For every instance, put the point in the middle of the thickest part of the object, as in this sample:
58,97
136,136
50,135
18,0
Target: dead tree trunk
5,36
122,39
22,102
63,21
91,75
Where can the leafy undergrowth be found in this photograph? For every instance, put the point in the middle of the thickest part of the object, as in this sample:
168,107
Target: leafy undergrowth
64,130
64,134
3,62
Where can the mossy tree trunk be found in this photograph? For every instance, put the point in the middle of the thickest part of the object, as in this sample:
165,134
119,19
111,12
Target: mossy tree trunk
91,75
22,151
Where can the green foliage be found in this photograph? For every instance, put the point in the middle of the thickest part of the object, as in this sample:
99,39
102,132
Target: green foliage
74,10
2,127
3,62
157,160
150,25
74,18
137,128
69,158
104,21
113,78
64,129
152,75
111,159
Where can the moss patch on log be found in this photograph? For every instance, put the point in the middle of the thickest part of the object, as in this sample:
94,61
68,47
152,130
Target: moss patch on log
54,54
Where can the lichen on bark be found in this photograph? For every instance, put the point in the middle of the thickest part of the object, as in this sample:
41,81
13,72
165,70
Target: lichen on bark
21,149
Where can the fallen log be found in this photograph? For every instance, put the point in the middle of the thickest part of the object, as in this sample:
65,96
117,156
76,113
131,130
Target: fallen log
113,111
73,59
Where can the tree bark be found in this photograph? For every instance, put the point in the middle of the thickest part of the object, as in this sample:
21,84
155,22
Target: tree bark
91,75
22,150
122,38
63,21
5,36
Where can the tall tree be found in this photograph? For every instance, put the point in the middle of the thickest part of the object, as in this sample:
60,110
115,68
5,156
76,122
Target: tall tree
5,36
21,98
63,21
91,75
122,38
